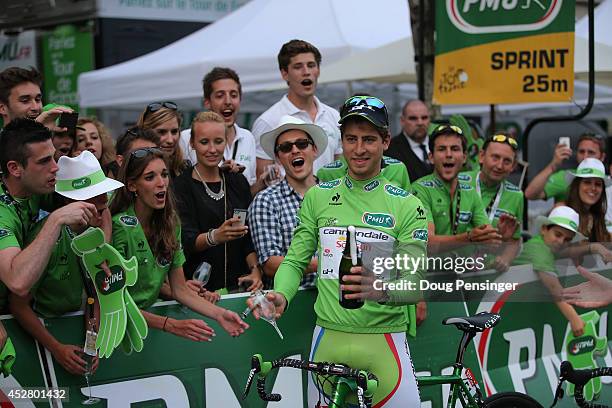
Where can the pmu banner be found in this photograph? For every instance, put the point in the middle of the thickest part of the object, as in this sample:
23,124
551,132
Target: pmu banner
504,51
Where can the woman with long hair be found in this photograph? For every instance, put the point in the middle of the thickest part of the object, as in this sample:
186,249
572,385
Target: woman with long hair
165,119
92,135
209,198
145,224
587,196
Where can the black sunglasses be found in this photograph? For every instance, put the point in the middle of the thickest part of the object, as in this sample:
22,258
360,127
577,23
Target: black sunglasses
155,106
288,146
145,151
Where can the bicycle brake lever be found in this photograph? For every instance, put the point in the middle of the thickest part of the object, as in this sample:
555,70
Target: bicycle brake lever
255,368
558,392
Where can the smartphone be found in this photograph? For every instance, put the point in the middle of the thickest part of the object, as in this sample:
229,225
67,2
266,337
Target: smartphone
565,140
241,215
68,120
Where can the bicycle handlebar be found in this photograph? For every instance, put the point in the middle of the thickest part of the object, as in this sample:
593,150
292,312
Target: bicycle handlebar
579,378
365,380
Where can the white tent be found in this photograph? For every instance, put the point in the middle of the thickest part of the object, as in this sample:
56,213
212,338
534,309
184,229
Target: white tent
603,45
247,40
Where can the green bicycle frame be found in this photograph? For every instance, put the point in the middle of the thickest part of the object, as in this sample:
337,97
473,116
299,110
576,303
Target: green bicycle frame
459,391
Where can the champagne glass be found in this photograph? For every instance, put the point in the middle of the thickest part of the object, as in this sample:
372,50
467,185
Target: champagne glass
267,310
202,275
89,354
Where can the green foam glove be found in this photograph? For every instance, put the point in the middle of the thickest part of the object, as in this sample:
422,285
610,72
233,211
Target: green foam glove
137,328
473,145
99,259
581,353
7,358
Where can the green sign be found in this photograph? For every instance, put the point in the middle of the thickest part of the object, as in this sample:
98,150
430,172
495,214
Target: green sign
67,52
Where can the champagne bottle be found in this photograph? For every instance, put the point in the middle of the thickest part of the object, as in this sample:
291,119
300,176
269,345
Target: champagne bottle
349,259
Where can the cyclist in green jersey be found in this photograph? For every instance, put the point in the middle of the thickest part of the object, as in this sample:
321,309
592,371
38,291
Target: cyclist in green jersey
373,336
501,199
551,182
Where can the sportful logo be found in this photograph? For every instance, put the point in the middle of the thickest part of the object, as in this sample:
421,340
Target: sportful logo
81,183
491,16
378,220
371,185
581,345
395,191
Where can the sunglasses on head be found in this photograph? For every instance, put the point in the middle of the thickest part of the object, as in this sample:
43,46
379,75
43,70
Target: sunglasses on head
367,100
447,129
505,139
145,151
286,147
155,106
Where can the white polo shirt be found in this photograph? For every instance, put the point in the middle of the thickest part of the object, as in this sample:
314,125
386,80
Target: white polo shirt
327,118
244,144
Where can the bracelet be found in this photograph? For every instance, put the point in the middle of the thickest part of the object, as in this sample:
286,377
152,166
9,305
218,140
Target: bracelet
469,235
165,321
210,238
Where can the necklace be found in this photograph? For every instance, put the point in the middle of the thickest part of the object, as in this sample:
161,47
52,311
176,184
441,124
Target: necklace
212,194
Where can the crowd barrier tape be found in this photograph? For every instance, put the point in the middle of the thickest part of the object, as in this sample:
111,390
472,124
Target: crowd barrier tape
523,353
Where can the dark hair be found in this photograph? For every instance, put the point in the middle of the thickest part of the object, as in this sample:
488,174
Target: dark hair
162,237
16,137
593,137
216,74
599,232
447,131
359,120
13,76
124,142
294,47
490,140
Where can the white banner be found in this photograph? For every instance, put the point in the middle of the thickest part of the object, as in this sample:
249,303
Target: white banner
18,50
173,10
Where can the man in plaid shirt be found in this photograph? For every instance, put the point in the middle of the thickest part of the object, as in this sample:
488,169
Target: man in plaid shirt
272,215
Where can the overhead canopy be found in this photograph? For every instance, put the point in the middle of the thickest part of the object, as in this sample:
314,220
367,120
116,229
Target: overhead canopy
247,40
603,45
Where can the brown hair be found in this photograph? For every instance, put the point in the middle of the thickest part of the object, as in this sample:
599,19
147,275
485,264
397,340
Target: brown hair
108,149
294,47
13,76
216,74
599,140
599,232
164,222
150,120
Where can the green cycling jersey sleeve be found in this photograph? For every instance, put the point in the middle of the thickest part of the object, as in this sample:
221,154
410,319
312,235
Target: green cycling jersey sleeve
385,216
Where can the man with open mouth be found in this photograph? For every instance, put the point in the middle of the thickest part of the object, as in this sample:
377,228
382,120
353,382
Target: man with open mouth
299,63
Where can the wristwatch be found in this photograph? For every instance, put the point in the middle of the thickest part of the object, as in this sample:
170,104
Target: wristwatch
385,297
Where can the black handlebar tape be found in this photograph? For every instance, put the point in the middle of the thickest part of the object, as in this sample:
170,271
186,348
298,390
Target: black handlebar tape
261,385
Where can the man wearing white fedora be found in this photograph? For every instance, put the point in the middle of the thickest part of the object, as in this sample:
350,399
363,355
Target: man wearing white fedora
63,285
295,144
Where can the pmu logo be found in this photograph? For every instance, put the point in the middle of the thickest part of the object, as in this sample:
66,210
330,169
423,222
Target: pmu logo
112,283
501,16
378,220
581,345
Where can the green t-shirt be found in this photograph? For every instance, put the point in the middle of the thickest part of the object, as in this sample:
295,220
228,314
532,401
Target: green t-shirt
392,169
129,239
60,289
536,252
556,186
510,198
17,216
381,213
435,196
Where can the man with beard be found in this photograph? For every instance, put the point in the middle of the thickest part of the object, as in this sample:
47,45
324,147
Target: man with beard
272,215
411,146
222,95
20,97
28,172
299,63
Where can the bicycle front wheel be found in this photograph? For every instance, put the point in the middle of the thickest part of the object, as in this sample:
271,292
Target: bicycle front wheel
511,400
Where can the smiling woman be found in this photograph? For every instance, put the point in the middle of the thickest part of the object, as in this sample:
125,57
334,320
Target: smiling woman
210,198
165,119
92,135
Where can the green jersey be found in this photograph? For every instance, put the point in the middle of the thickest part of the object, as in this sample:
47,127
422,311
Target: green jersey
448,217
556,186
536,252
130,240
60,289
381,213
504,198
392,169
17,216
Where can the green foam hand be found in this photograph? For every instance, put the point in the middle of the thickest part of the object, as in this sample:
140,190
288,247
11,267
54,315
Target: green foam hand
111,274
137,328
581,352
473,145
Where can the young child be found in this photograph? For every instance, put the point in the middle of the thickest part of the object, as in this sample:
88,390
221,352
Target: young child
556,230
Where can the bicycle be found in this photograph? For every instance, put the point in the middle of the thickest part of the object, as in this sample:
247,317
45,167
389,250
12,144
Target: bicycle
346,379
579,378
